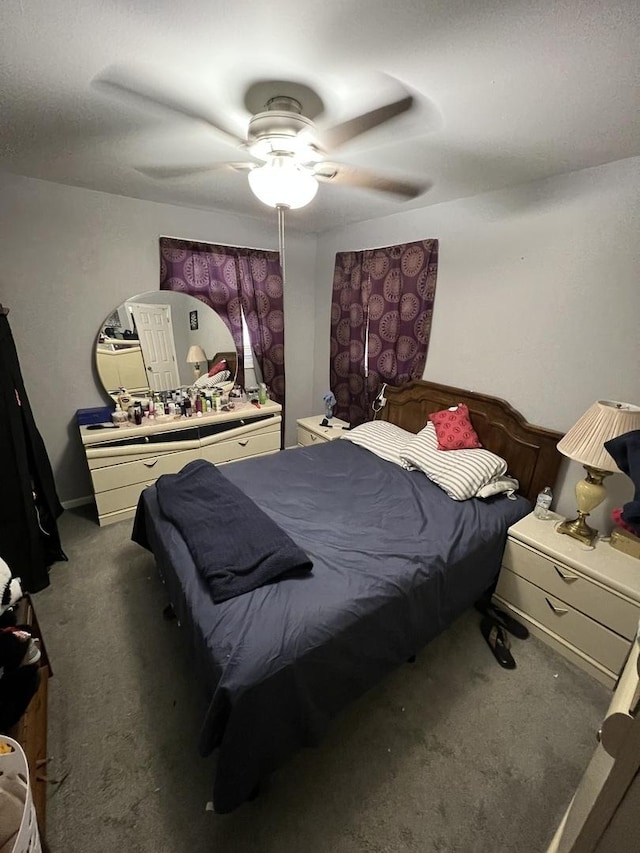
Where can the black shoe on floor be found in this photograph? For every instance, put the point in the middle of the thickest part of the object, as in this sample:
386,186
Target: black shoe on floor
498,642
504,619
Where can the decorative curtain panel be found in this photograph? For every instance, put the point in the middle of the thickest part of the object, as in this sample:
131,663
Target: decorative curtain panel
382,309
230,280
262,300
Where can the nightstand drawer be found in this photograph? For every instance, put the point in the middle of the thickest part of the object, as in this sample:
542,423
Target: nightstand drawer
306,438
560,618
583,594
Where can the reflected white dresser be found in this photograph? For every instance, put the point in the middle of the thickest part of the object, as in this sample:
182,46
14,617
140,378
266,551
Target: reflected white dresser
125,460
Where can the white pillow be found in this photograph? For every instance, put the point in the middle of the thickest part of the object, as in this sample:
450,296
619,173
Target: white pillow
207,381
384,439
460,473
499,485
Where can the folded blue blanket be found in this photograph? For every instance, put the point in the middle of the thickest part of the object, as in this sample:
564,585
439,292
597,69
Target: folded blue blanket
235,545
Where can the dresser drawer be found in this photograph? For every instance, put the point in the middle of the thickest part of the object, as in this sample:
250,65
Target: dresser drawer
103,457
124,498
306,438
582,593
560,618
140,471
242,447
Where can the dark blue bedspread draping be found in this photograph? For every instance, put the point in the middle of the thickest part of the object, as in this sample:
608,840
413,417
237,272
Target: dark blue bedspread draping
395,561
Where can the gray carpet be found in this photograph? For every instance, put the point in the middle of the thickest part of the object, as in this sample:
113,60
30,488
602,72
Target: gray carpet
452,753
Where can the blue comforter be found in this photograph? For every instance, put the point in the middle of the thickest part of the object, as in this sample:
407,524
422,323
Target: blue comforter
394,562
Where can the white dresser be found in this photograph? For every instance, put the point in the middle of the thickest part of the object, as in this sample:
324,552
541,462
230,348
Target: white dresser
125,460
585,602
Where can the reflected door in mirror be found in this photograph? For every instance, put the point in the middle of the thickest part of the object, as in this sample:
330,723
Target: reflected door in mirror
153,325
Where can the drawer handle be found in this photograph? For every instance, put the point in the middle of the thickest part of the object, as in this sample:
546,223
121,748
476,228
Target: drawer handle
559,611
244,443
565,575
150,464
313,437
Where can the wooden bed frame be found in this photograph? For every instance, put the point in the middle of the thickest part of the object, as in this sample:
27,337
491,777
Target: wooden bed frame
530,451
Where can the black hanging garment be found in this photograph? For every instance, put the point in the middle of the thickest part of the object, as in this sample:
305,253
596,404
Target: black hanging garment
29,505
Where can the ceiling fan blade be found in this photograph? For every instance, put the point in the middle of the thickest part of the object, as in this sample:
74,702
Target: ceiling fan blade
352,176
168,172
338,135
118,82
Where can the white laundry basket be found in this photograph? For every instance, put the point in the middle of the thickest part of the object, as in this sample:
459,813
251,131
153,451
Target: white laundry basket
28,839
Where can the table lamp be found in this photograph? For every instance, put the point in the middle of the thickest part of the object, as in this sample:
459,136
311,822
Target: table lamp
196,357
584,443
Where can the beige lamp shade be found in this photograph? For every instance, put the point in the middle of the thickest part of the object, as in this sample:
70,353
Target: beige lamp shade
585,440
196,355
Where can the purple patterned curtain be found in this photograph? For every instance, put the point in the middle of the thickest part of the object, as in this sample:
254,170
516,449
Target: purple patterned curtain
348,335
260,277
382,300
208,273
231,279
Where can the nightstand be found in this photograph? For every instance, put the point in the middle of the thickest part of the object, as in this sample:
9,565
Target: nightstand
585,602
310,431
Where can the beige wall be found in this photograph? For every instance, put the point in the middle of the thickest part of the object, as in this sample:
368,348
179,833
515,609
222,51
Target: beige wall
538,296
70,255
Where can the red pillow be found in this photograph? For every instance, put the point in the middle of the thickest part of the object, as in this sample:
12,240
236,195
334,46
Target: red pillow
218,368
454,429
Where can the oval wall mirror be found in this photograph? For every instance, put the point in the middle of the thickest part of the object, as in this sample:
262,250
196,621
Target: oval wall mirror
162,340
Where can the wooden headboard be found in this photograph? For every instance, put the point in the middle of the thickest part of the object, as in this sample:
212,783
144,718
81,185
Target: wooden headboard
530,451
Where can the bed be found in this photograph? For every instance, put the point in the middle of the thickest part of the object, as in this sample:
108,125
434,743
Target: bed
395,561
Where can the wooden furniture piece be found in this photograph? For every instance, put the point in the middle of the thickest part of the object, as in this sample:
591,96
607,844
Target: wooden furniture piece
125,460
603,814
310,430
530,450
585,602
31,730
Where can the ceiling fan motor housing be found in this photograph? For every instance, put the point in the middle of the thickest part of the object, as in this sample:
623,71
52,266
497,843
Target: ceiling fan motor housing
279,131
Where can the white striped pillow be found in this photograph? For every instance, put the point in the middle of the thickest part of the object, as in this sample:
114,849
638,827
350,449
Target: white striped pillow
384,439
460,473
207,381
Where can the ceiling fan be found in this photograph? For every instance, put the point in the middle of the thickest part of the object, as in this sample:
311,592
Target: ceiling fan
288,155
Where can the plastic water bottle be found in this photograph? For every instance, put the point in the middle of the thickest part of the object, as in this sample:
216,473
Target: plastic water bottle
543,502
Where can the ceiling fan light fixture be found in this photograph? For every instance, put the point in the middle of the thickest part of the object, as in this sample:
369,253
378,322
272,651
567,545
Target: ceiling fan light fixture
283,183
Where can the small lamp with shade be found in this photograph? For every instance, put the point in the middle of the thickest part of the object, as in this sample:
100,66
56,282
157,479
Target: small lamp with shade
196,356
584,443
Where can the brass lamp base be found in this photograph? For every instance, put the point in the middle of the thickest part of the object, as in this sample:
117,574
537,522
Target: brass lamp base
589,494
579,529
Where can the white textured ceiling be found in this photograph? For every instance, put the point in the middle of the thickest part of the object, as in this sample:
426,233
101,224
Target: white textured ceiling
507,90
